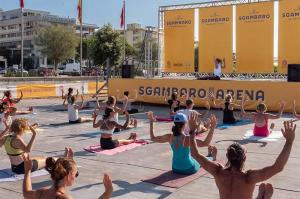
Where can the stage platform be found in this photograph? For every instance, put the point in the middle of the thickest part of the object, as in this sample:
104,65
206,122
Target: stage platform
272,92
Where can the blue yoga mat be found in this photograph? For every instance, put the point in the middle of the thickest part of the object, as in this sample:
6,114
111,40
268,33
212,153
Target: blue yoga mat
239,123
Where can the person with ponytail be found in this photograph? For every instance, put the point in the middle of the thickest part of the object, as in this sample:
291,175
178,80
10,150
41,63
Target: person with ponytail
73,111
183,162
12,103
68,96
232,180
63,172
107,126
15,146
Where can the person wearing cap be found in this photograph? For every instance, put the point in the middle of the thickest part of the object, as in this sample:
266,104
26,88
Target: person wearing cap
183,162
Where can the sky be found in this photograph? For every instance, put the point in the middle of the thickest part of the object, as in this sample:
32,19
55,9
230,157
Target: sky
100,12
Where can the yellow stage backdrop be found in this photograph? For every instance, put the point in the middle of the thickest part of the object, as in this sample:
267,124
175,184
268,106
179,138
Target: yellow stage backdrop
179,41
215,38
289,34
255,37
152,91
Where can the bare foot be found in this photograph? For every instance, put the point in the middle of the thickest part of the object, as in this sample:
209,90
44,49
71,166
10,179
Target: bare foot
132,136
212,152
269,190
261,191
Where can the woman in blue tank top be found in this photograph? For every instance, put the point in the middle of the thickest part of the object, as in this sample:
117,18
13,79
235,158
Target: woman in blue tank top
182,162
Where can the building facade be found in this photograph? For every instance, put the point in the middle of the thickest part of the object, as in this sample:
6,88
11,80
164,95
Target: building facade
135,33
34,20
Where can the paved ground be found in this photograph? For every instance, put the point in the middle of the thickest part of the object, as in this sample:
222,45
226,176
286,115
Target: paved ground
128,168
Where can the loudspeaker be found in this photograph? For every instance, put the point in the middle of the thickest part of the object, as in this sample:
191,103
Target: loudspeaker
128,71
294,73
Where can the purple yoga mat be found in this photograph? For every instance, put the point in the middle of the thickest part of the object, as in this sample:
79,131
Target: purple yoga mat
97,148
173,180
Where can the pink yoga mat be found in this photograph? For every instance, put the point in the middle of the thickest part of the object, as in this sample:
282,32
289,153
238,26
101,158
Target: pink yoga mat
163,119
97,148
174,180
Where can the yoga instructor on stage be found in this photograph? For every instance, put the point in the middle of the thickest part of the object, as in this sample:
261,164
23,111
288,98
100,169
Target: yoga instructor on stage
219,64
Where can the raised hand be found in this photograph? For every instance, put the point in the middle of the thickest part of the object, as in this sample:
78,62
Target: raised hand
193,122
94,114
289,131
213,121
150,116
282,104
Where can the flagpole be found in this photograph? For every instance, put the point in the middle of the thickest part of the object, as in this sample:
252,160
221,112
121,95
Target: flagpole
124,31
22,41
81,38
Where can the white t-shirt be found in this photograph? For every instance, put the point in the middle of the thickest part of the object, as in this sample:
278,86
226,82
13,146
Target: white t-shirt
2,125
72,113
218,70
187,113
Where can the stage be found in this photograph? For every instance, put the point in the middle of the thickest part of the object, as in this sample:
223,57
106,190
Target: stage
269,91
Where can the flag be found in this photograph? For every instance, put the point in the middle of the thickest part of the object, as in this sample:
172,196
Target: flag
22,3
122,17
79,9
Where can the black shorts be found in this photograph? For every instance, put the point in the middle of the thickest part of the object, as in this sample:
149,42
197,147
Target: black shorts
20,169
108,143
132,111
74,122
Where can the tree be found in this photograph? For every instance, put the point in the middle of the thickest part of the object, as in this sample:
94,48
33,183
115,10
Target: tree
129,49
57,43
106,44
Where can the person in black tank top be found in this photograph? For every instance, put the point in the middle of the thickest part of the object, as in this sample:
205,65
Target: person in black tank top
174,104
228,109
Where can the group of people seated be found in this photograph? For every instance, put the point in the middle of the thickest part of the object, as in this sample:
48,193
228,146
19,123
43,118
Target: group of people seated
231,179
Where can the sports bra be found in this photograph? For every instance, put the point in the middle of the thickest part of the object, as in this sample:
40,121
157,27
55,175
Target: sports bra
10,150
107,131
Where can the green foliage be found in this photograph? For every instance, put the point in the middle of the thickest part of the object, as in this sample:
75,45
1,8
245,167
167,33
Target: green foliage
106,44
140,51
57,43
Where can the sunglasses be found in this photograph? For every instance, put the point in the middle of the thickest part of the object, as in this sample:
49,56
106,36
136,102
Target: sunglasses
77,174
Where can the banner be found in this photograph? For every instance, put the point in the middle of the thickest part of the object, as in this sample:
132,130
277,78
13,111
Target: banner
36,90
179,41
255,37
92,86
215,38
152,91
289,34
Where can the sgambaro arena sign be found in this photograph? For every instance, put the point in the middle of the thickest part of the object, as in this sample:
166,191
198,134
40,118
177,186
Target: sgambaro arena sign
292,14
178,21
255,16
215,18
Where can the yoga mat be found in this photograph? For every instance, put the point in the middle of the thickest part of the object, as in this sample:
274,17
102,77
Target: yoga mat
174,180
97,148
6,175
274,136
66,123
163,119
239,123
